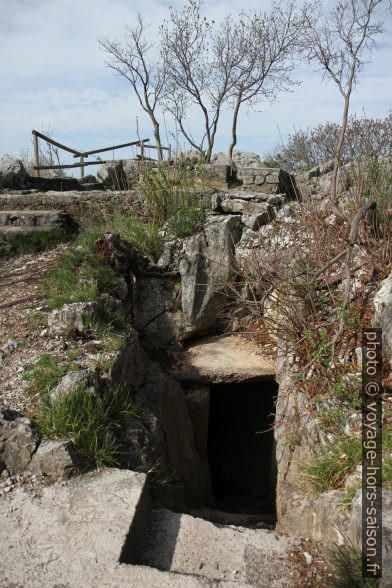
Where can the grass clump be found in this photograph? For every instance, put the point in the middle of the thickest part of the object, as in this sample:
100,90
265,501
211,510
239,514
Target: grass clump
90,421
346,568
172,197
330,469
44,374
79,277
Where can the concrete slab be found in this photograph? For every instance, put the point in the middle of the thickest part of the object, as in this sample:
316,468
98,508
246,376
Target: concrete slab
218,360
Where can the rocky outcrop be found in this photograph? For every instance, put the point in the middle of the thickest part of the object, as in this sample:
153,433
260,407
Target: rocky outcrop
205,269
163,436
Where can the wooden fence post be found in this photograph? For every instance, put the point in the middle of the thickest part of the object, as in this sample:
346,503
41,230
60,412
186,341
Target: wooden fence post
36,153
81,167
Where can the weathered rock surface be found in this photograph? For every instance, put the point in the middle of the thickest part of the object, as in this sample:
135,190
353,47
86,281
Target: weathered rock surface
56,459
383,315
187,545
72,319
219,360
12,173
71,381
19,440
163,435
205,269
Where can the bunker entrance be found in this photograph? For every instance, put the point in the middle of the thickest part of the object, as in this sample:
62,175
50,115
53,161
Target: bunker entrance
241,447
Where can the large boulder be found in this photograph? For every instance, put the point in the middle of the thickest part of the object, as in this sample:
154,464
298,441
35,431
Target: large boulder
12,173
383,315
19,440
240,159
205,269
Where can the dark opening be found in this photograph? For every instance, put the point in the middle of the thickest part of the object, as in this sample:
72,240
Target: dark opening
241,447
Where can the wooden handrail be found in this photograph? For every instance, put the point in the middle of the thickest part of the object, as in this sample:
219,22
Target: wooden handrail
56,144
66,166
87,153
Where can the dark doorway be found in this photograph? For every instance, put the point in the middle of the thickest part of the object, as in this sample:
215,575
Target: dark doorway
241,447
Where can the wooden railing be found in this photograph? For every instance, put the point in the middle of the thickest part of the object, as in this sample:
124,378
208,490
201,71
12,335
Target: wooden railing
142,143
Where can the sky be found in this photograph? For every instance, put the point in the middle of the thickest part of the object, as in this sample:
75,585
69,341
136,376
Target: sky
52,74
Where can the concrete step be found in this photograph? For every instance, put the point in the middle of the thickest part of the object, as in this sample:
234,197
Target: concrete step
188,545
34,218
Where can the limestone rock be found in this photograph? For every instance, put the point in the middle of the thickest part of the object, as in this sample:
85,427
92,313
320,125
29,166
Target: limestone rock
158,315
163,435
112,175
19,440
205,268
71,381
383,315
57,459
12,173
70,320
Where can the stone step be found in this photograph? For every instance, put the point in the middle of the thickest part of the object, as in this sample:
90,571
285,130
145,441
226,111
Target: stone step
34,218
187,545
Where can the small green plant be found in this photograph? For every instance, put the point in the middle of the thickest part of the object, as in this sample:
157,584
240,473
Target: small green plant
331,467
90,421
346,567
44,374
107,330
103,363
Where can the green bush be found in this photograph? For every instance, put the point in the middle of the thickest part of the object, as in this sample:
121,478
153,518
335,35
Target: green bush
90,421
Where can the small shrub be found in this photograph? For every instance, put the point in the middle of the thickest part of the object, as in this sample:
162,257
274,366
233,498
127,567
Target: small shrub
330,469
44,374
90,421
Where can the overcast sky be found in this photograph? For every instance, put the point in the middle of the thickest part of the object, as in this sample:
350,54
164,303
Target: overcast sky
52,73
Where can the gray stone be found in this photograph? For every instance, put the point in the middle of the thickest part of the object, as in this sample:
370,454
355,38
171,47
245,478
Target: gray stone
12,173
383,315
255,221
205,268
81,533
19,440
249,208
112,175
72,319
57,459
157,307
71,381
188,545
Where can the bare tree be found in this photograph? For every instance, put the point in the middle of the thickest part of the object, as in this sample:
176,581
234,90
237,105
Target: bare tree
192,72
258,51
147,77
338,45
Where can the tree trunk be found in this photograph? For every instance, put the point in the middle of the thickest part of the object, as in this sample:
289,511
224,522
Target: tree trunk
234,130
157,136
